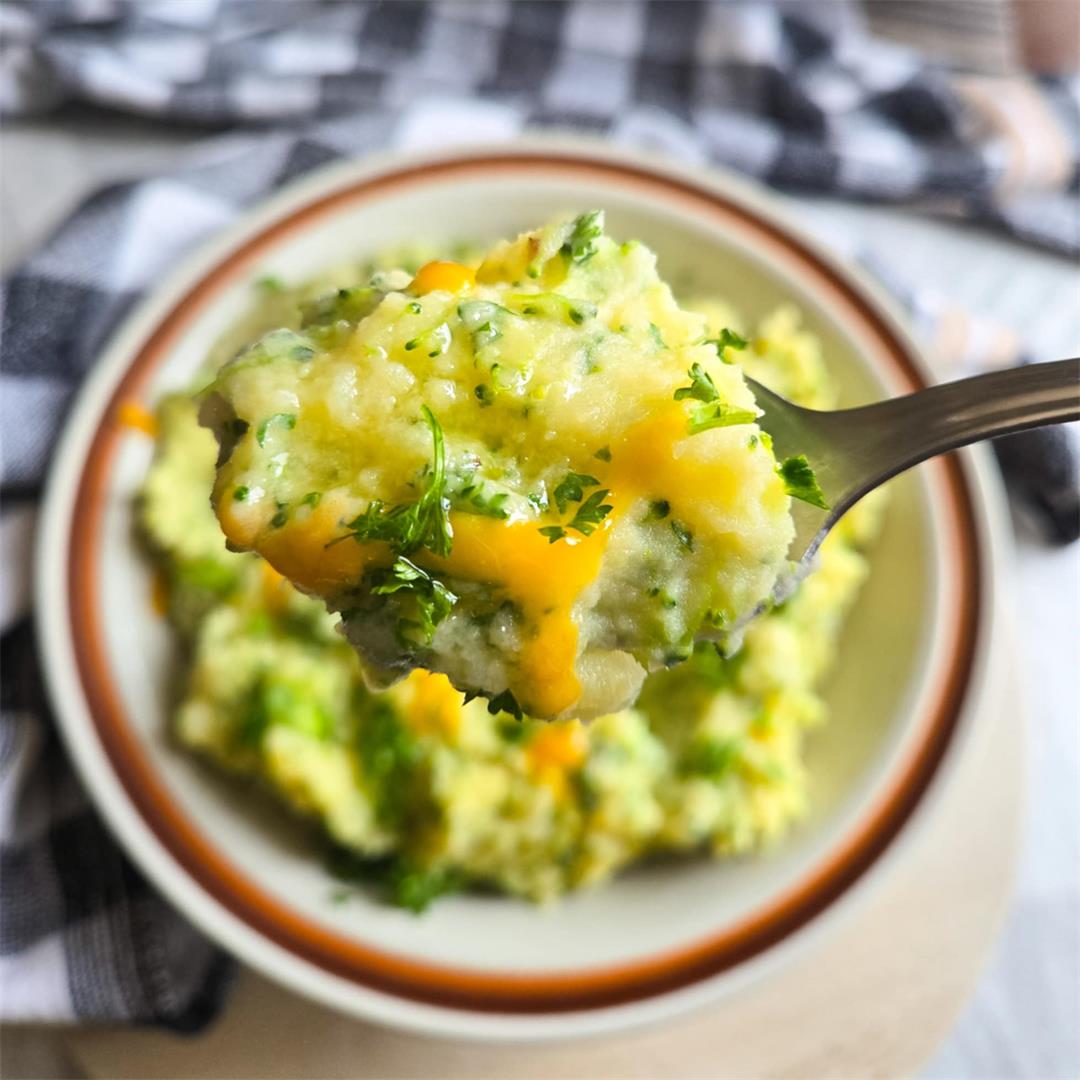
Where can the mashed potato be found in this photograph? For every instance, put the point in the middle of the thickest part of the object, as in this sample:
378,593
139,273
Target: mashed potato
542,478
423,792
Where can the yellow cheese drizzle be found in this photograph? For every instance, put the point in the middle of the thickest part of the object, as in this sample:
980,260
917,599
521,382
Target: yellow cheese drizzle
544,580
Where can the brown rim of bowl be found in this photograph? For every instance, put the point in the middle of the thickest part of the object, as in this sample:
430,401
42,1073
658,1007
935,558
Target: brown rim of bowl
477,990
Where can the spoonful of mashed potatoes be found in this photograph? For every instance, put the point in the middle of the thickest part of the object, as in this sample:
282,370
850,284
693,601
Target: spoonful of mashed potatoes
540,477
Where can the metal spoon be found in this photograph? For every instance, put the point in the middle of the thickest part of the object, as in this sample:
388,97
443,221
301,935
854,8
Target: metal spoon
854,451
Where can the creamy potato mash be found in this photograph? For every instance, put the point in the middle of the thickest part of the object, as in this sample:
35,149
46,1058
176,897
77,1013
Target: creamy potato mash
420,792
541,477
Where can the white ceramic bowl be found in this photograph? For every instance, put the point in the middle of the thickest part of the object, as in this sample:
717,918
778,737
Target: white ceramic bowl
660,937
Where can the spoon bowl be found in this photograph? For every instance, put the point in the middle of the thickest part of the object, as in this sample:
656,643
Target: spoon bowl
853,451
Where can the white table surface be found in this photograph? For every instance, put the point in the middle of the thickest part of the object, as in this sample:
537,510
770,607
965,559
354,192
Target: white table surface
1022,1020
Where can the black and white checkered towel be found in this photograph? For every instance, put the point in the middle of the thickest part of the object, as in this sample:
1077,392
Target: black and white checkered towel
82,936
798,94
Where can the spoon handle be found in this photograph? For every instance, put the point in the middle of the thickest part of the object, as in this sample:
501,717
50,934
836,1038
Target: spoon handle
901,432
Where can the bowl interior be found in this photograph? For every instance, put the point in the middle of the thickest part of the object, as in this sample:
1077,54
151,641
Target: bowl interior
873,694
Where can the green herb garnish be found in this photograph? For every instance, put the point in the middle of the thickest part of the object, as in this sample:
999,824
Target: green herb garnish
716,414
240,493
479,317
604,453
343,305
572,489
728,339
591,512
801,482
588,515
432,600
388,755
683,535
473,499
701,387
414,888
586,229
273,703
556,306
512,731
281,419
505,702
711,758
410,526
713,412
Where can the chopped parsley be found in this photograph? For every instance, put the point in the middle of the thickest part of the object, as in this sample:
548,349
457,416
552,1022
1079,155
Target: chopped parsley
683,535
480,317
273,702
406,883
474,313
512,731
432,600
434,341
414,888
728,339
388,755
270,283
241,493
701,387
801,482
281,419
658,338
658,510
312,499
588,515
711,758
420,524
587,228
591,512
343,305
473,499
506,703
206,573
712,412
604,453
280,516
484,394
555,306
716,414
572,489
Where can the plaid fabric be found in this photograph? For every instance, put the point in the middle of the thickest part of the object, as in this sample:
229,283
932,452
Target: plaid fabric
81,934
797,94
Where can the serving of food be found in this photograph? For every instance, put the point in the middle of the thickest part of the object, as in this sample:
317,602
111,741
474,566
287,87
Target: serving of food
538,475
376,566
